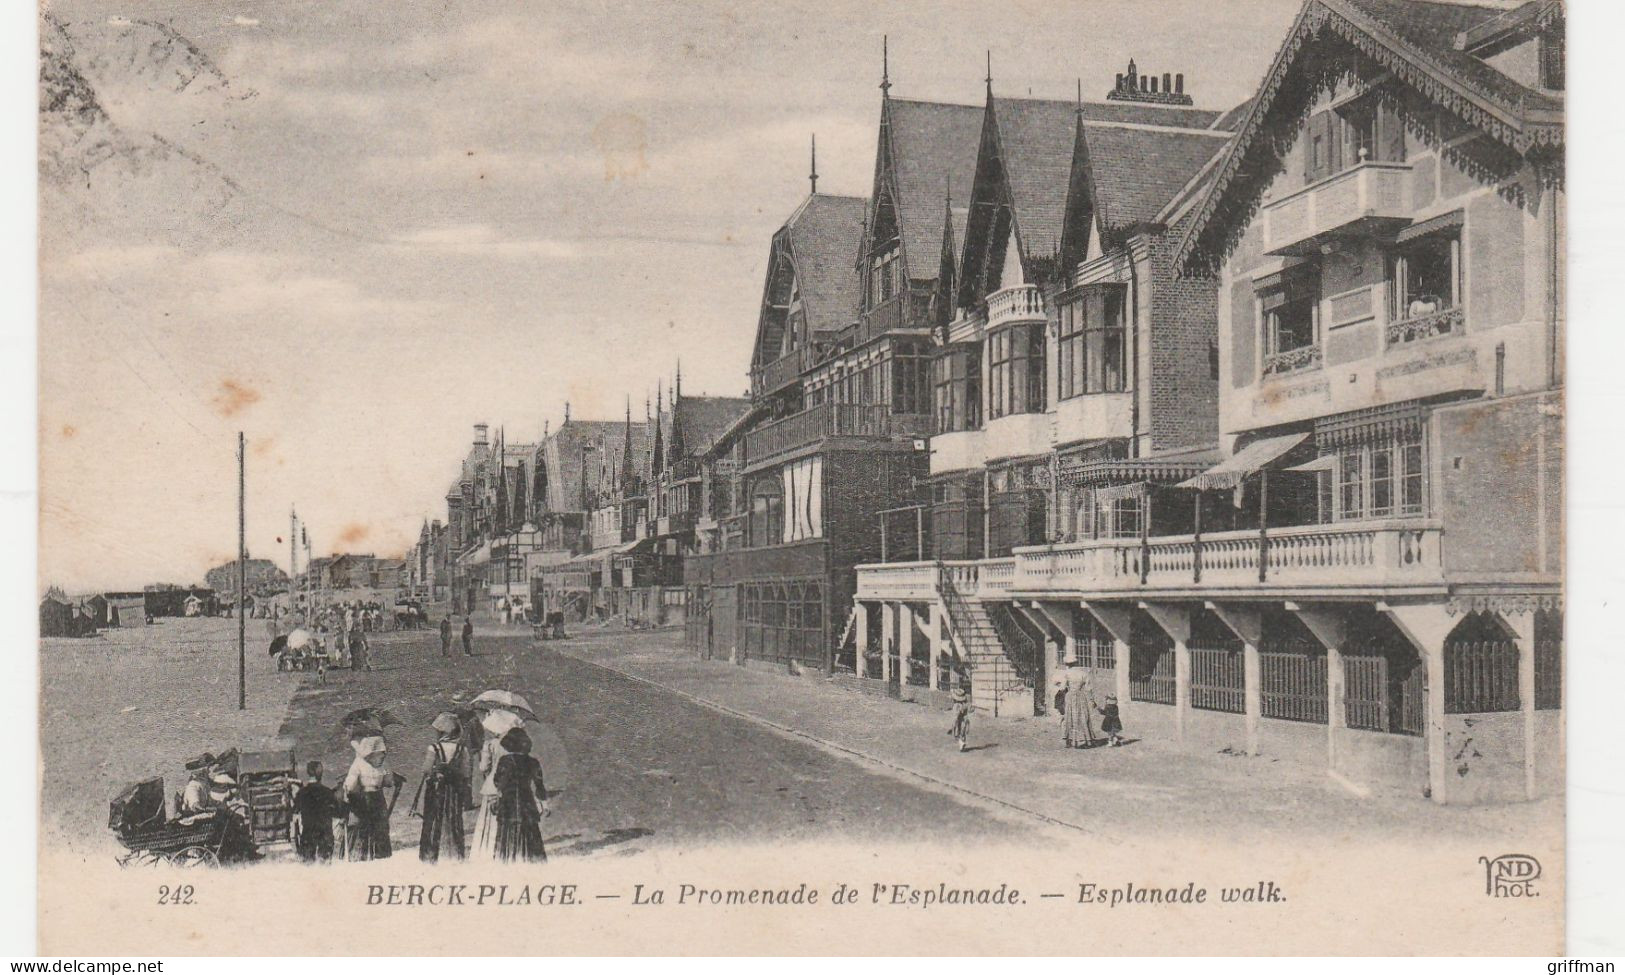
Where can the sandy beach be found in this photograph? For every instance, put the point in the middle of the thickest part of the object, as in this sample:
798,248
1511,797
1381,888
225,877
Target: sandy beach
136,702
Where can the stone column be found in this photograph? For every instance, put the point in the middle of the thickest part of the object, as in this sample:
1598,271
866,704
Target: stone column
937,616
1523,628
1328,626
1426,626
888,638
1247,623
860,638
1117,620
1059,616
1175,620
905,647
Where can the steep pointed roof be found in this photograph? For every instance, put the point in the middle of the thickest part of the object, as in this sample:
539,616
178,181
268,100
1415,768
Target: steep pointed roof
1423,45
823,234
1036,141
931,143
702,419
1134,172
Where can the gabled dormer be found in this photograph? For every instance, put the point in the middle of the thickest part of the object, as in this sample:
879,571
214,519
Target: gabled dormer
810,293
923,147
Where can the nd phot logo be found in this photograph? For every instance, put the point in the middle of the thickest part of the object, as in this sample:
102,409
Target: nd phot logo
1510,875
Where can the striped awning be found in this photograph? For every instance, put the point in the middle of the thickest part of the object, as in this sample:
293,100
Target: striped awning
1439,224
1324,462
1118,492
1230,472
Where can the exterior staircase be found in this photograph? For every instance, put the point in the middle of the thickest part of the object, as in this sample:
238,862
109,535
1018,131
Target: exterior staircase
996,686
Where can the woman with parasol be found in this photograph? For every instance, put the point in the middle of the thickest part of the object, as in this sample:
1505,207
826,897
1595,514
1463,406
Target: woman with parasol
521,800
367,782
443,792
504,711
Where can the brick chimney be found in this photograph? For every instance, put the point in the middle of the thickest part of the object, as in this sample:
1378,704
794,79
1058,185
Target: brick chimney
1132,86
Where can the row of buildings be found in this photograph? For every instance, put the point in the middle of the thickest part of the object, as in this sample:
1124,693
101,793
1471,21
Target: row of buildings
1254,414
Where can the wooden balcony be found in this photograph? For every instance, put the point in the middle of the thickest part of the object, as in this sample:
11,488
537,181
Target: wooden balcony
1367,198
674,524
784,436
776,375
1022,303
902,312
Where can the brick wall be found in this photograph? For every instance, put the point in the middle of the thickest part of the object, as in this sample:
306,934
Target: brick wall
1184,331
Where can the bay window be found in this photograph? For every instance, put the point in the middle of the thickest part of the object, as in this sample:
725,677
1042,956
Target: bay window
959,389
1091,346
1016,370
911,376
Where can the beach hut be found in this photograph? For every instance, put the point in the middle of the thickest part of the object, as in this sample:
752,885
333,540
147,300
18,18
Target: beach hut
193,606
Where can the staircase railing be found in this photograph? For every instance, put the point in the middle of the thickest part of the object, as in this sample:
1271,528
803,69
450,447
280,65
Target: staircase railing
992,666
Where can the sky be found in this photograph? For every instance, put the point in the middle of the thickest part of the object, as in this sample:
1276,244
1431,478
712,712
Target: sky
353,230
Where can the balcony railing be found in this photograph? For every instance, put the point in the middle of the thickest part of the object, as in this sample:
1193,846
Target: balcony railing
1293,360
899,580
821,422
779,373
1371,191
672,524
1373,554
1022,303
1437,324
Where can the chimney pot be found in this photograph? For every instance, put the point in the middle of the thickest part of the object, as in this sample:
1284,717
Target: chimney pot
1179,84
1167,82
1119,85
1153,84
1145,83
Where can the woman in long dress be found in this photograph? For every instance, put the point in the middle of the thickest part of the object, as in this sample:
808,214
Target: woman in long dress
444,792
497,724
522,801
364,789
1080,711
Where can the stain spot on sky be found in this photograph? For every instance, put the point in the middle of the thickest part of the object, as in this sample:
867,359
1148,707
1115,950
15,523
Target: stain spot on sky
353,533
234,397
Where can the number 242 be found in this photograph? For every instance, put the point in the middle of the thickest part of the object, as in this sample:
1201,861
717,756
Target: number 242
179,894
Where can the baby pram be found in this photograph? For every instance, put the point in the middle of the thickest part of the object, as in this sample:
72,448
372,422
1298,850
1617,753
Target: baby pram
138,819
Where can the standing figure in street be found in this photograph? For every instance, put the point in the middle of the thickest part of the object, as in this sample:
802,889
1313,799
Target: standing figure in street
1111,720
317,807
444,793
497,724
960,696
522,800
445,636
364,794
360,653
1079,723
468,636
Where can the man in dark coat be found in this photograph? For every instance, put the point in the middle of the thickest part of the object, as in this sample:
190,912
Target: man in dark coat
317,807
445,636
468,635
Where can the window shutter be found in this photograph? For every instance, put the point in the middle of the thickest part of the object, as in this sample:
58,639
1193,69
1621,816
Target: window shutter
1317,166
1390,134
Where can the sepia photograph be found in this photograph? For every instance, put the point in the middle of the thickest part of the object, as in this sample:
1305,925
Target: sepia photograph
802,478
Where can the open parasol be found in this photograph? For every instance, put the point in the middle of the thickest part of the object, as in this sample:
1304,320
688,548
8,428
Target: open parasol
500,721
507,701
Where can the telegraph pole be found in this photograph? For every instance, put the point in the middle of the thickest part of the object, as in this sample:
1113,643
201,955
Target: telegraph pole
242,578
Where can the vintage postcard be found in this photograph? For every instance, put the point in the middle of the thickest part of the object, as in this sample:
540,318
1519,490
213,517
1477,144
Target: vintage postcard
802,478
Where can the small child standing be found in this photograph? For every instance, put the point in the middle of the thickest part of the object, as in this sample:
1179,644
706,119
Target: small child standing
1111,721
317,806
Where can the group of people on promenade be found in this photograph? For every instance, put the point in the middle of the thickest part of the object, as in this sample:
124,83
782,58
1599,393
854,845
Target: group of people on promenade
478,763
1075,702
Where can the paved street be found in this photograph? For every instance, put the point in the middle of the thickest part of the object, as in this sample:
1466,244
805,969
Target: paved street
633,765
